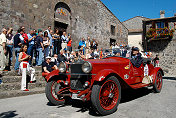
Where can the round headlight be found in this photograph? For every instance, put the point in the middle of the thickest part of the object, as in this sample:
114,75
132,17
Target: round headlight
62,67
87,67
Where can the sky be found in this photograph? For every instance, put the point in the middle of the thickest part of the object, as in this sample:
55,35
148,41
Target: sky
126,9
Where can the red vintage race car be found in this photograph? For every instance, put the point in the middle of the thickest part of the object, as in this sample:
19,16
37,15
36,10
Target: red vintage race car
100,81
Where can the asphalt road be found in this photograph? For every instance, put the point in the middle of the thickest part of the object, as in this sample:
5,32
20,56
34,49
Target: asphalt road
141,103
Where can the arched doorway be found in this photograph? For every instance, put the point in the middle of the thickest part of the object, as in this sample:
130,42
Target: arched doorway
62,16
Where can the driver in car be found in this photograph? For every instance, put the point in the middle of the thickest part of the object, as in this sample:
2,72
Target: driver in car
136,58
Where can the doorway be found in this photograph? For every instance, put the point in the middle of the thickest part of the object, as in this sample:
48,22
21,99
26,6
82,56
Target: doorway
61,26
112,41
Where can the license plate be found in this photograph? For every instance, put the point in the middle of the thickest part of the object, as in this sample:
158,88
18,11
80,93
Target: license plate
75,96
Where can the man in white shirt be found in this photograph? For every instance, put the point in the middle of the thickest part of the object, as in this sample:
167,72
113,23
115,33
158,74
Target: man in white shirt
64,40
3,50
50,32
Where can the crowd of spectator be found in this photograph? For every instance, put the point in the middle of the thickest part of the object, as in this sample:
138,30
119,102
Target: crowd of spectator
48,43
47,48
40,44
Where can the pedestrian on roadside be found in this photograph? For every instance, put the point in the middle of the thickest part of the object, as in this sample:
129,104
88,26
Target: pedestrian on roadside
88,45
10,37
156,61
82,45
3,50
25,36
117,45
17,41
31,40
49,31
94,44
46,44
64,40
24,67
39,49
51,51
57,42
69,43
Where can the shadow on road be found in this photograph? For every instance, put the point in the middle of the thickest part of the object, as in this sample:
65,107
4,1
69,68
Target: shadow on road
131,94
169,78
84,106
8,114
126,96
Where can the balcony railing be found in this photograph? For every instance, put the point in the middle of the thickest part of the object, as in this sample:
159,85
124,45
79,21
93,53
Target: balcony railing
159,33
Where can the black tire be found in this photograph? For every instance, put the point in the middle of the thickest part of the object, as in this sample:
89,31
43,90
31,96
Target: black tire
157,86
51,93
99,99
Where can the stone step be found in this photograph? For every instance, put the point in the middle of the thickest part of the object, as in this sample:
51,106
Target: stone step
38,68
16,93
12,79
17,86
13,73
35,67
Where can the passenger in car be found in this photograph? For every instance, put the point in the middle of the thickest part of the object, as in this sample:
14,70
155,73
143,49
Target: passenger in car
47,67
136,58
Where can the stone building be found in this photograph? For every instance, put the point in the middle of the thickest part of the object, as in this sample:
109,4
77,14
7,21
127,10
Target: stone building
156,35
159,37
135,27
80,18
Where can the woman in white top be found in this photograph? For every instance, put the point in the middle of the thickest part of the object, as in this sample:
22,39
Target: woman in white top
46,43
24,67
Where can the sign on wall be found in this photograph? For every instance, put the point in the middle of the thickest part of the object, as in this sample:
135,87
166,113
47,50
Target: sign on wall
62,15
61,11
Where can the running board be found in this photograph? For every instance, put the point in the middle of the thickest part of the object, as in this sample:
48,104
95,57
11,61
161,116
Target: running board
139,85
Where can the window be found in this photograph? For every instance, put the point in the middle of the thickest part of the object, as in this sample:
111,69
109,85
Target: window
112,30
160,24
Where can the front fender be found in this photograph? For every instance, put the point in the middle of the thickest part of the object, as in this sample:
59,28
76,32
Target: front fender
154,73
102,74
52,74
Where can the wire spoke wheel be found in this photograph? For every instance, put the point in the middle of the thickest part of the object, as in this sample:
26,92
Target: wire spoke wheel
55,88
158,82
52,89
109,95
105,97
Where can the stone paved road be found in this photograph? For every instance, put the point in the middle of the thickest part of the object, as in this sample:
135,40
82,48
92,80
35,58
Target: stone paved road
141,103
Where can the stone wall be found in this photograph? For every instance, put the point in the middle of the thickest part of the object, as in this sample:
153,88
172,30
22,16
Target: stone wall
166,49
134,23
135,27
88,18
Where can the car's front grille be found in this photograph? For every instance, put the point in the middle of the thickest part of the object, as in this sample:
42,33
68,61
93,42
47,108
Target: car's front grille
78,83
78,77
76,68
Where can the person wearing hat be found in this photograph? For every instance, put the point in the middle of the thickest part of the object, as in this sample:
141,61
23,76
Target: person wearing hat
46,66
49,65
136,57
